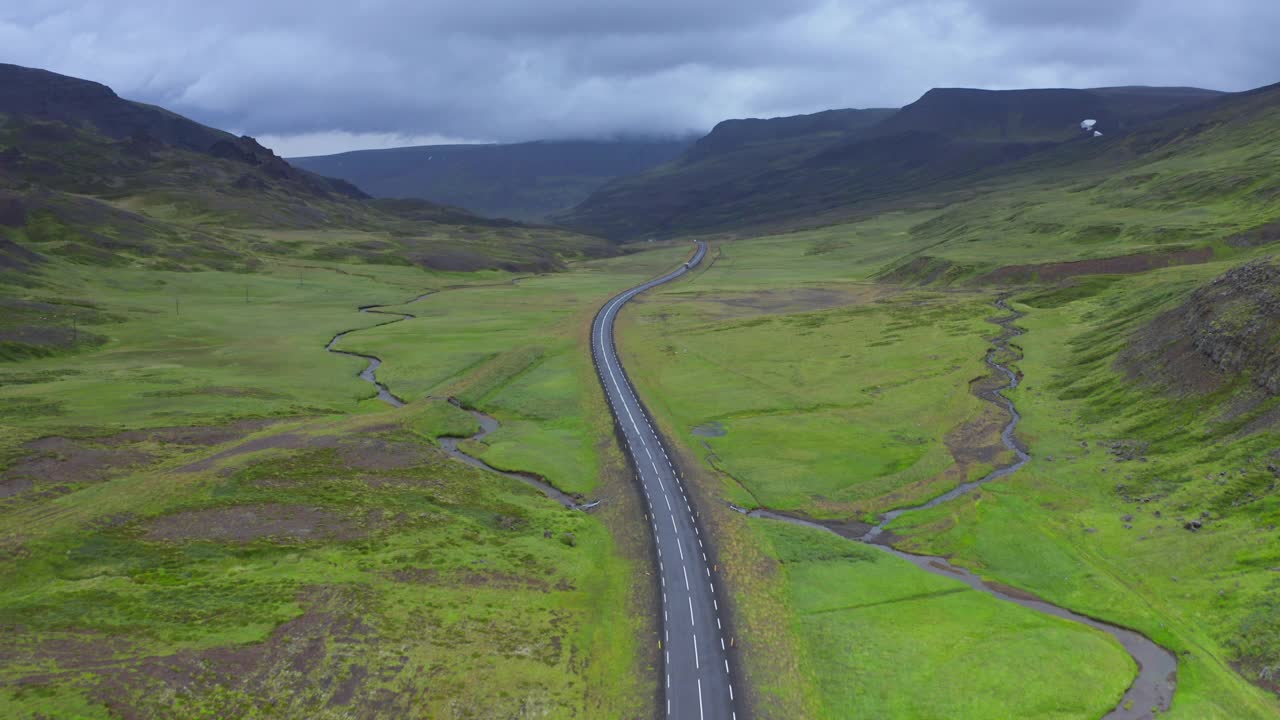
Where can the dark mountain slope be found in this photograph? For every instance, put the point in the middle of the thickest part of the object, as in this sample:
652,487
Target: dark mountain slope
1036,115
833,125
947,134
43,95
1190,186
203,199
525,181
723,164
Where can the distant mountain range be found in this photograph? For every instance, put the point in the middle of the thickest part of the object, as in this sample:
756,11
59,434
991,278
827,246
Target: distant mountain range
524,181
68,143
809,169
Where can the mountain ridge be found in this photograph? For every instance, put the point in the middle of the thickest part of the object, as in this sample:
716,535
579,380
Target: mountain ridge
523,181
947,133
90,178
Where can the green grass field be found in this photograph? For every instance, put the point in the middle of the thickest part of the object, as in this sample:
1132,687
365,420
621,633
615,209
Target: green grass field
887,640
1207,594
206,513
519,352
834,396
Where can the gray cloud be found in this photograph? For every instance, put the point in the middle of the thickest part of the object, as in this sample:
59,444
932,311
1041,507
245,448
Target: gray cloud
372,72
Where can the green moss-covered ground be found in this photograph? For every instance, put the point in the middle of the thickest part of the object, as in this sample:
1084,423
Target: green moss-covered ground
207,515
834,392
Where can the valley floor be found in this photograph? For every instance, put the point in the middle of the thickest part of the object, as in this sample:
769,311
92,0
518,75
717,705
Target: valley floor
797,382
205,511
206,514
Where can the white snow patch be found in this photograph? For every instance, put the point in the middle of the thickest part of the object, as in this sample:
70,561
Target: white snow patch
1087,124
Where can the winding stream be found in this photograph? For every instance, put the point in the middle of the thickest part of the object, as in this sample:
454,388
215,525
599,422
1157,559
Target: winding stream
1157,667
369,373
488,423
996,396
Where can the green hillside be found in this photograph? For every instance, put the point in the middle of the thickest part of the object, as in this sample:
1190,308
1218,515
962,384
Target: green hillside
98,179
945,136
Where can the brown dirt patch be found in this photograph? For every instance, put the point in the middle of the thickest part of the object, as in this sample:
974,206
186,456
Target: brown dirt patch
375,454
1264,234
978,440
1013,592
196,436
851,529
1122,265
62,461
416,576
246,523
283,441
972,443
75,650
307,664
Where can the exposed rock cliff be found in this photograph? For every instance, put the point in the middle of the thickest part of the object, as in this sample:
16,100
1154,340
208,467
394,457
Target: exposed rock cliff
1225,329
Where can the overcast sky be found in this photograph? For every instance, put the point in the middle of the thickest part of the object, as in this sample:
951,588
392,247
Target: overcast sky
319,76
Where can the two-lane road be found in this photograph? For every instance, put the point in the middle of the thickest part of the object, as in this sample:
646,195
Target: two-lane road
696,673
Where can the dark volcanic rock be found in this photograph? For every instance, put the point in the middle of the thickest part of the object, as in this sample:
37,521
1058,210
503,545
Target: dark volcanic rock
1226,328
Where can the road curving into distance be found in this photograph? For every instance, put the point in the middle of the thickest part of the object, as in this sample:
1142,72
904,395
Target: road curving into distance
697,679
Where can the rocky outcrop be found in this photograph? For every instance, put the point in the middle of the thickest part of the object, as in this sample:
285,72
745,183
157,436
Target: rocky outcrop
1226,329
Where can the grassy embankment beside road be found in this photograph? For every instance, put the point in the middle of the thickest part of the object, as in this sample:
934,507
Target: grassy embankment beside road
840,396
207,513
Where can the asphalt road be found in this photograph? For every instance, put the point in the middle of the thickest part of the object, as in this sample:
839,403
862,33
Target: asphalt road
696,675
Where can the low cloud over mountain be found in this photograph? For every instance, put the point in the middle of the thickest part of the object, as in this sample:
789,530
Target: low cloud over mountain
336,75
